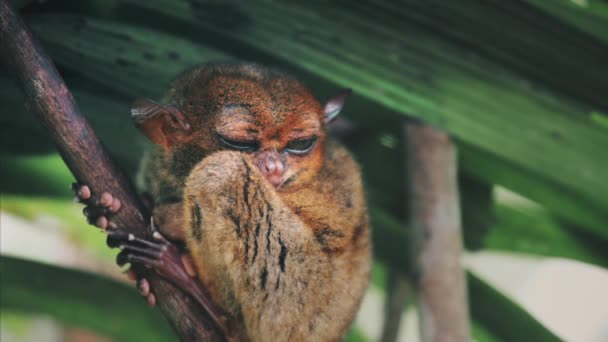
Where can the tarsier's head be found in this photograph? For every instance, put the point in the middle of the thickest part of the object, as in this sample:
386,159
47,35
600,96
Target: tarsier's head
246,108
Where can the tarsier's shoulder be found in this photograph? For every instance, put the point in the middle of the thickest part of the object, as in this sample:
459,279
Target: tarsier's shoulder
156,176
340,166
333,206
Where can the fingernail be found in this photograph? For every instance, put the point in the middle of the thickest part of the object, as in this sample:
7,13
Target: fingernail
151,300
130,274
115,206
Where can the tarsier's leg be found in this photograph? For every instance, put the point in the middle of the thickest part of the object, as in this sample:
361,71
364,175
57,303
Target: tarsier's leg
258,259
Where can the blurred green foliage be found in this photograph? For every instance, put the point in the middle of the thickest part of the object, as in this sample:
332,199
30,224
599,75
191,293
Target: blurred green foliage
520,85
105,306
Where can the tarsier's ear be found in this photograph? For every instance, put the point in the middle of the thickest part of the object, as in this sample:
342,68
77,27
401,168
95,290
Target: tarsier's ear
335,104
163,125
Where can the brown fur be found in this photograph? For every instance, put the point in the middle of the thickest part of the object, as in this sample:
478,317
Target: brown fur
286,264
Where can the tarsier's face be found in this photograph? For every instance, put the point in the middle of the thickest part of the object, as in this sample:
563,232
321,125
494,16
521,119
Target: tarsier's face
279,125
245,108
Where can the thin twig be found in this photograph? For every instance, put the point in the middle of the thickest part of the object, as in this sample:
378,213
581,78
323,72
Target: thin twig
397,290
51,101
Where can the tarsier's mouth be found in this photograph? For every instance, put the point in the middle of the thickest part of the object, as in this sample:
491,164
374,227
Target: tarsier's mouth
275,180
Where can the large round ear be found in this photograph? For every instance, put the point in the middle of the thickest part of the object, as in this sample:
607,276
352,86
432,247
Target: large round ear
335,104
163,125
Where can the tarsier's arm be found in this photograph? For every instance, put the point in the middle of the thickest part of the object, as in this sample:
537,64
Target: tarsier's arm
262,263
281,265
170,220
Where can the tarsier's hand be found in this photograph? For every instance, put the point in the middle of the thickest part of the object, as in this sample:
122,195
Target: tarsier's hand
99,211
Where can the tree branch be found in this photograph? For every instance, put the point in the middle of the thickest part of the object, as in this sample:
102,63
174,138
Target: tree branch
394,305
435,215
49,98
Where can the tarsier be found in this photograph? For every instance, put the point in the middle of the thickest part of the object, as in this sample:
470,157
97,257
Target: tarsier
271,208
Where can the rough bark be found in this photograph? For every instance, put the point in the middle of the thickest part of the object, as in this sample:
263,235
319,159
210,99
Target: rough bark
435,215
51,101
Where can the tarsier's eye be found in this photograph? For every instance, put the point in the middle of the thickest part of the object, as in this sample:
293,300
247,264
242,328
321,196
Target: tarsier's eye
239,145
301,146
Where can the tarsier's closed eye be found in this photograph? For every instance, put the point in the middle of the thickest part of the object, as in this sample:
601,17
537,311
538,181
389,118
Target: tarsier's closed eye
239,145
301,146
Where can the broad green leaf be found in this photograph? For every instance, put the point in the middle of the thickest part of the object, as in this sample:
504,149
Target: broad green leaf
590,16
501,316
80,299
481,102
35,175
560,200
533,230
547,127
125,58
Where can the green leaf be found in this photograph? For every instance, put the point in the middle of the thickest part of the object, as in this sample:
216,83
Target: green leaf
533,230
481,334
39,175
504,318
355,335
125,58
590,16
557,198
80,299
525,127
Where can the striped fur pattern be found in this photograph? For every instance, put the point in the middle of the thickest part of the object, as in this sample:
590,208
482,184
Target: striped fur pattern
282,276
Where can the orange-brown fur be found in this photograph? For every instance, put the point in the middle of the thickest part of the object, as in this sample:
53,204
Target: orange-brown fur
286,264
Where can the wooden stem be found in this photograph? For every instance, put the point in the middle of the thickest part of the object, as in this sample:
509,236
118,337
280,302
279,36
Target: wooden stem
397,291
435,215
51,101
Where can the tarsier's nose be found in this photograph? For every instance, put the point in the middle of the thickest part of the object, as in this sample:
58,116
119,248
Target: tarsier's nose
271,165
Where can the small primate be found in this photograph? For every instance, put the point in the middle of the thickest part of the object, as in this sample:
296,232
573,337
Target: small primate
271,208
